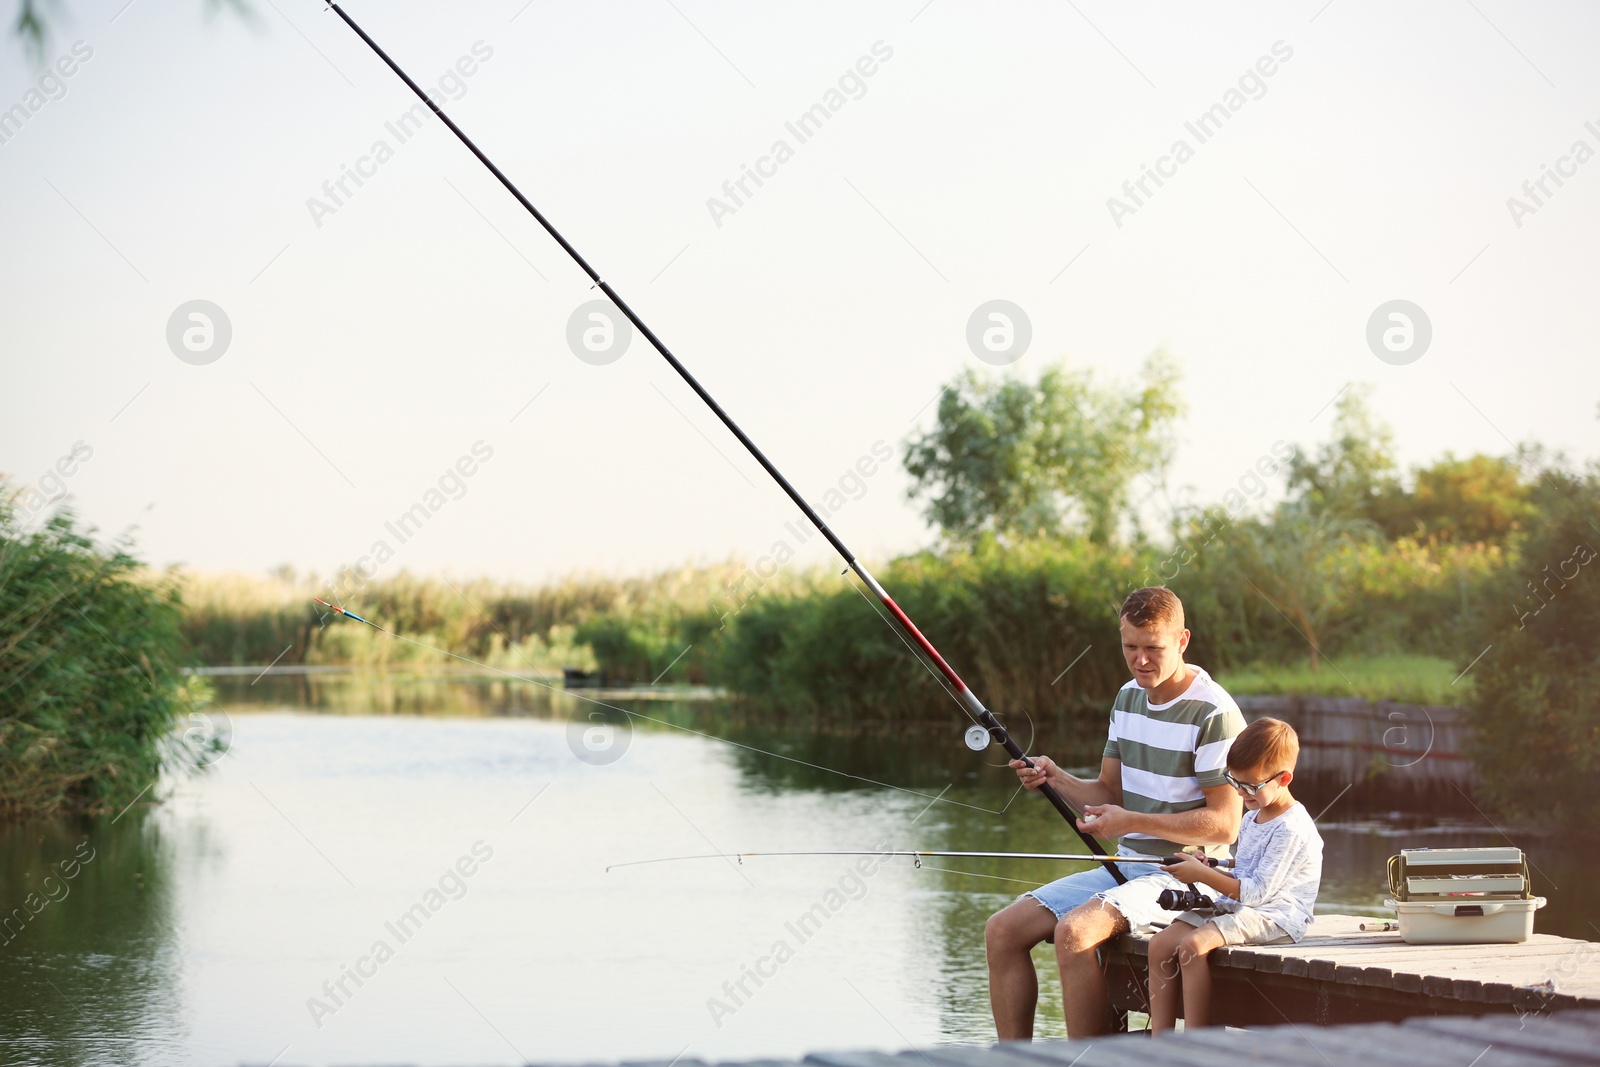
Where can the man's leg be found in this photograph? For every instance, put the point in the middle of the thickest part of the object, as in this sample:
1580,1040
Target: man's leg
1009,937
1083,985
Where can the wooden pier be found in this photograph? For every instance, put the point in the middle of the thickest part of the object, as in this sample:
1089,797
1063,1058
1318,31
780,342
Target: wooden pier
1533,1004
1342,974
1567,1039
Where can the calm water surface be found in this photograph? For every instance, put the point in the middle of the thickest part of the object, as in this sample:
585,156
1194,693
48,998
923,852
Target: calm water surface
223,925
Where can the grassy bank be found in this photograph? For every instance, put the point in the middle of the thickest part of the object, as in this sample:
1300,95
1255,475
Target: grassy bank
635,627
1408,679
1030,625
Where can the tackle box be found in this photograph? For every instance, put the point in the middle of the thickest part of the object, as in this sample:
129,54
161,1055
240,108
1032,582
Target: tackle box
1462,896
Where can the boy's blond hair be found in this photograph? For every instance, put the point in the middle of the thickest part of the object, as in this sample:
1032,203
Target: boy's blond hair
1267,744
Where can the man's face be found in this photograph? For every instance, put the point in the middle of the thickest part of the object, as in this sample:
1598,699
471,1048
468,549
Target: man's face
1154,653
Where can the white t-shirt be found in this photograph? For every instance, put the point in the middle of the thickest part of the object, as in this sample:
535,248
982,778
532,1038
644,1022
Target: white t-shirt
1279,867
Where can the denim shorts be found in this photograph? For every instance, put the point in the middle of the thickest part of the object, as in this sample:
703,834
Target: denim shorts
1135,899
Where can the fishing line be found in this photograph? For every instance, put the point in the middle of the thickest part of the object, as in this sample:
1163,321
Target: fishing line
997,733
973,874
664,722
917,854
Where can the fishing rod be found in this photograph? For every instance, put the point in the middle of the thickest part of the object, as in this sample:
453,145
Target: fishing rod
917,856
974,707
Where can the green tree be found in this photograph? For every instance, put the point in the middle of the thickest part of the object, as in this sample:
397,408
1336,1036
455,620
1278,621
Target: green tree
1480,498
1536,702
1351,474
1300,563
1015,458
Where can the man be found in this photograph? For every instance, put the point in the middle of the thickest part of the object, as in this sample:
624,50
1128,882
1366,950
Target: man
1162,787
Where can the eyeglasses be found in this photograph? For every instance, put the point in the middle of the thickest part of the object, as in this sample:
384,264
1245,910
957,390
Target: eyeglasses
1251,790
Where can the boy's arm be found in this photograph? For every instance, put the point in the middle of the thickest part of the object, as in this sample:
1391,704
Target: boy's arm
1191,870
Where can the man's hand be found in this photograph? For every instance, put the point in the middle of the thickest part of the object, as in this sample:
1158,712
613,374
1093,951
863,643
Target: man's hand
1187,869
1107,820
1043,769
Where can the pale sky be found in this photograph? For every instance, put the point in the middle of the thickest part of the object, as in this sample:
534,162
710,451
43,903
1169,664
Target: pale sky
374,345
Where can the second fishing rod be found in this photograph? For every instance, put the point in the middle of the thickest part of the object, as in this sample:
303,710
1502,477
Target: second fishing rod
974,707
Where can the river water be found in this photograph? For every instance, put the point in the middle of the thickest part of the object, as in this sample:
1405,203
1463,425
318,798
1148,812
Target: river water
386,870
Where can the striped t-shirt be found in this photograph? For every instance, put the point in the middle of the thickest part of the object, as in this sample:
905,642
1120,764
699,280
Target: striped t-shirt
1170,751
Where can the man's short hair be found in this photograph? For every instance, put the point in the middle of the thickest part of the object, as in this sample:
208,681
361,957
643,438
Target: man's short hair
1267,744
1153,606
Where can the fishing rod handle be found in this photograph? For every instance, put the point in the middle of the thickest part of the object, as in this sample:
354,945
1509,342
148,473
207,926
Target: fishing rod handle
1209,861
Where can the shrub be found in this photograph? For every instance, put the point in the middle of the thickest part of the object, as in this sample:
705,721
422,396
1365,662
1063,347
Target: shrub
1536,704
90,683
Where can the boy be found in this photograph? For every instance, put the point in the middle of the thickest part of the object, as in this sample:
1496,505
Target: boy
1269,896
1160,787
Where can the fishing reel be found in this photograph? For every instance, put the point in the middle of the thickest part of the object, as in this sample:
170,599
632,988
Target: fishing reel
979,737
1186,899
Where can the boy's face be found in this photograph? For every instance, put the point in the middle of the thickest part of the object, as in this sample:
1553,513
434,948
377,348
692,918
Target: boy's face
1256,775
1154,653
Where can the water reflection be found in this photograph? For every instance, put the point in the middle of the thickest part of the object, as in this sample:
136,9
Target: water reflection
777,755
90,964
201,929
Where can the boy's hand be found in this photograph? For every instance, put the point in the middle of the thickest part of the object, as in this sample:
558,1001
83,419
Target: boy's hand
1040,773
1106,820
1187,869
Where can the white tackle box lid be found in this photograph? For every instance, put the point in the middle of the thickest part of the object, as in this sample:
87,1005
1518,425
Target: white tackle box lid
1431,857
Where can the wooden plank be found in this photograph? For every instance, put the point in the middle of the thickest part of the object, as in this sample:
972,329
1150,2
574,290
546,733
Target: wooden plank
1519,968
1124,1050
1000,1055
1523,976
1364,1045
1421,954
854,1059
1571,1024
1530,1036
1280,1046
1170,1051
1372,976
1388,1043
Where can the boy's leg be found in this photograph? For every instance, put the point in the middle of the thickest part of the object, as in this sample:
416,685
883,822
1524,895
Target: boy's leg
1163,972
1083,985
1196,969
1009,937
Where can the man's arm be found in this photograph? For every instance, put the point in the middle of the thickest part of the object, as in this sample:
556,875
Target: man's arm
1215,824
1080,793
